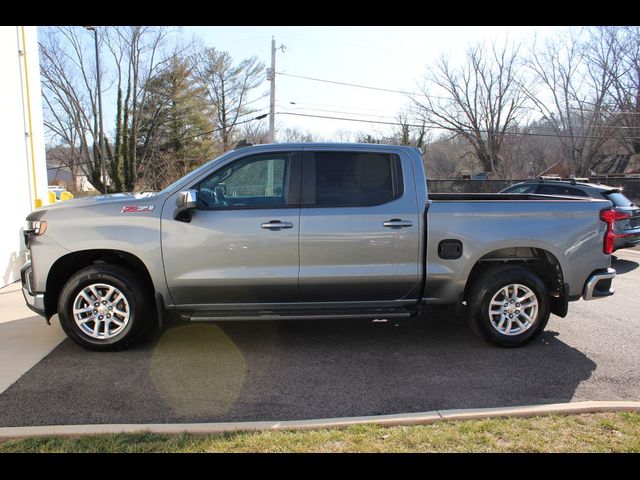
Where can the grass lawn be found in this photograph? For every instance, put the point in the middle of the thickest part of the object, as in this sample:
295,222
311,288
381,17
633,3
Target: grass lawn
603,432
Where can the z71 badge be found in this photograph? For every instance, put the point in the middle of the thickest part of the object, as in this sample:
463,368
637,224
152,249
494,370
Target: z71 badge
139,208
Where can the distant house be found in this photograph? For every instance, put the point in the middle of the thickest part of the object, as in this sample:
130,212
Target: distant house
466,174
481,176
560,169
59,174
616,165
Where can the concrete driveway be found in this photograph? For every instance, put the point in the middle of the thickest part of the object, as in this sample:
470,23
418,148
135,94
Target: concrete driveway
25,338
296,370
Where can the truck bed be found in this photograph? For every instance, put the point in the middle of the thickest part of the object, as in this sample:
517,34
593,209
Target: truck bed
475,197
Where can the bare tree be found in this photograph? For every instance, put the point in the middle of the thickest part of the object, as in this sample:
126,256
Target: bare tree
69,94
480,101
408,133
137,53
445,157
296,135
228,87
540,148
343,136
572,83
255,132
623,97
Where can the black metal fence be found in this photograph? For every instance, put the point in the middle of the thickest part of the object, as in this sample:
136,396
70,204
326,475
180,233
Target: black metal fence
468,186
630,186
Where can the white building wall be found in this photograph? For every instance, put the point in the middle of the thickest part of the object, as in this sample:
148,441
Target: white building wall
23,174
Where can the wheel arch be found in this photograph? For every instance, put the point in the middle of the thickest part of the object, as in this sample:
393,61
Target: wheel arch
540,261
69,264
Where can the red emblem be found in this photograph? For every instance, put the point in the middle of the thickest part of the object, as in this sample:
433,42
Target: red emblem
137,208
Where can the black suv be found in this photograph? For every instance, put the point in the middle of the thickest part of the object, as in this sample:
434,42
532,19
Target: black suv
626,226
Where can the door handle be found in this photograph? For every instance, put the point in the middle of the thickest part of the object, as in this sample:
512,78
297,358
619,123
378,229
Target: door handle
396,223
276,225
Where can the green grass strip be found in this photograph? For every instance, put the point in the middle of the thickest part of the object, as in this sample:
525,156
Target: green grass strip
602,432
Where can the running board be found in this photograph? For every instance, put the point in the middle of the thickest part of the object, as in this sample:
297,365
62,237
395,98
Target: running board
299,316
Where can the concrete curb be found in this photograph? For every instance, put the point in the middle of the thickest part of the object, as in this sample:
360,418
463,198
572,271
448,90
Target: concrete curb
382,420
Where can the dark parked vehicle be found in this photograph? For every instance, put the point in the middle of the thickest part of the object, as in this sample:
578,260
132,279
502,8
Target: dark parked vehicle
626,216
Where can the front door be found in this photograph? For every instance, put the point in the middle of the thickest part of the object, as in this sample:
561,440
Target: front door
241,245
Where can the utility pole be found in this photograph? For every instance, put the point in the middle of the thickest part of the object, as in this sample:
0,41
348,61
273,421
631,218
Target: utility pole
272,100
271,75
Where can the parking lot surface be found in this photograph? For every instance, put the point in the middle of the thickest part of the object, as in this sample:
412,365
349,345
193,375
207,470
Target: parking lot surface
324,369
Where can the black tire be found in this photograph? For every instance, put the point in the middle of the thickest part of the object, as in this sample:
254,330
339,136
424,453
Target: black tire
134,291
487,286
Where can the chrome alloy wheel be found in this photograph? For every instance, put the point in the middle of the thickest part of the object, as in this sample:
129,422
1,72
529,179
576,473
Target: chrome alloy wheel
101,311
513,309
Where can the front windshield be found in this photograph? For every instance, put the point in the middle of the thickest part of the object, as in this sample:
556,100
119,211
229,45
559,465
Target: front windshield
195,173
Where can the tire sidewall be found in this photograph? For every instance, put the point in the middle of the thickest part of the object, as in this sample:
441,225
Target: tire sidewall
492,284
111,275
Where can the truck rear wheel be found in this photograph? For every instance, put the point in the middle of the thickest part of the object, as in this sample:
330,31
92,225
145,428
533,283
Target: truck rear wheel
103,307
508,306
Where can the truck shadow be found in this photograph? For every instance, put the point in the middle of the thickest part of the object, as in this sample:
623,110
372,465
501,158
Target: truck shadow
334,369
290,370
622,266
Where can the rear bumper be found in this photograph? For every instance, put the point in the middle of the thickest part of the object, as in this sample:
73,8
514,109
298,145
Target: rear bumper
35,301
598,284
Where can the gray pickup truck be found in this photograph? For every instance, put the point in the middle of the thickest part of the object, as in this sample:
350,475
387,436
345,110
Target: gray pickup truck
313,231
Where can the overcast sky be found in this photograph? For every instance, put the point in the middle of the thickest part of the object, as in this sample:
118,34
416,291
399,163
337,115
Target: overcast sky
393,58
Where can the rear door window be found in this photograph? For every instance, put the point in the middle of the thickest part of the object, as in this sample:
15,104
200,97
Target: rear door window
340,179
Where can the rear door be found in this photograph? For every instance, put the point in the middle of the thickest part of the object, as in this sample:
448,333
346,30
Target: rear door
359,227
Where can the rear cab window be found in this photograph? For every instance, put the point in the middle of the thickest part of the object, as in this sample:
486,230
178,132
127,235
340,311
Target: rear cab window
348,179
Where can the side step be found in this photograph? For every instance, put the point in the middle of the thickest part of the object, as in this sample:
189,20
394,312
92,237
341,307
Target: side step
388,314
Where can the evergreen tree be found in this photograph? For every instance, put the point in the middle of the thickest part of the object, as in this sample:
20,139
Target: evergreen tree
175,132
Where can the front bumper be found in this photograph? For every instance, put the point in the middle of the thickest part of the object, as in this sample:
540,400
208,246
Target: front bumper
35,301
599,284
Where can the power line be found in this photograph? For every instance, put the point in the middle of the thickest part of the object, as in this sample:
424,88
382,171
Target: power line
357,85
338,106
395,117
259,117
352,45
637,129
404,92
455,130
338,111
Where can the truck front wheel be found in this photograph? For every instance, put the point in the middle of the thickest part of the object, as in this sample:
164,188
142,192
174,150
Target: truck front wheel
508,306
103,307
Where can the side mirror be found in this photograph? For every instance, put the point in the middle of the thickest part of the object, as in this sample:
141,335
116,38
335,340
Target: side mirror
186,201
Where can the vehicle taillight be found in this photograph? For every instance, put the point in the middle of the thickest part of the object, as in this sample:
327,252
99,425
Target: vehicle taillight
609,216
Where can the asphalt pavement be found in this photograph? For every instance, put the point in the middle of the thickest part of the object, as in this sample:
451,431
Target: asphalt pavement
293,370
